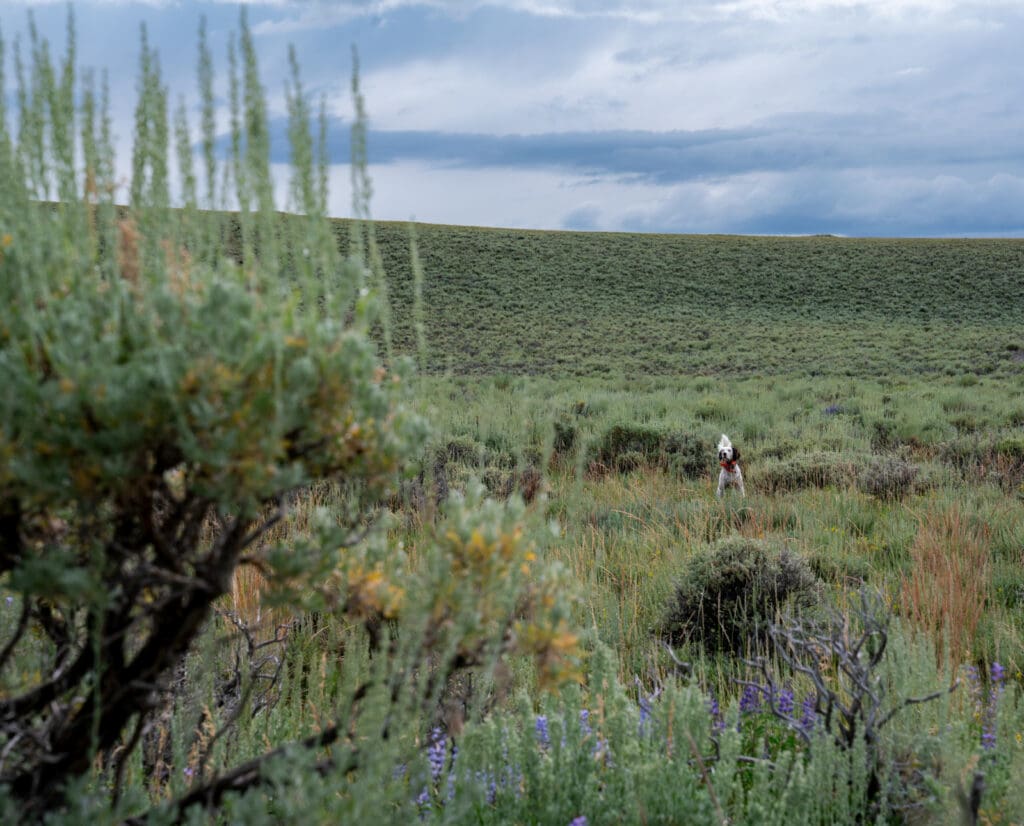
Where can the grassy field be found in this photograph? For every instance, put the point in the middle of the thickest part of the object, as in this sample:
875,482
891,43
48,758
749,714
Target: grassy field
624,305
874,389
625,535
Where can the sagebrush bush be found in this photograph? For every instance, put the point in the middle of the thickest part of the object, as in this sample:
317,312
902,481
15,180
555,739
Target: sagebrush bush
565,437
687,456
807,470
1011,447
997,459
627,447
164,407
452,464
727,596
623,439
887,477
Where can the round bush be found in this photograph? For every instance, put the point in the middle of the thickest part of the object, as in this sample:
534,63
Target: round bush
727,596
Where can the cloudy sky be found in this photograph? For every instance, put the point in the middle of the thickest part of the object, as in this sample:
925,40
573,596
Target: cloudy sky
854,117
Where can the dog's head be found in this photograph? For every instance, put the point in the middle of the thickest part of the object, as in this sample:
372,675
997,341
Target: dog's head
726,451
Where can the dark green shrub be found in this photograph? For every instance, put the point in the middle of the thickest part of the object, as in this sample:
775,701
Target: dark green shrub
687,456
629,461
782,449
462,450
1012,447
627,447
621,439
965,423
727,596
565,436
499,483
883,435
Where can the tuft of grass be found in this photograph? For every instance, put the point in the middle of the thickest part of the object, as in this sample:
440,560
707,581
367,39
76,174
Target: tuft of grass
945,592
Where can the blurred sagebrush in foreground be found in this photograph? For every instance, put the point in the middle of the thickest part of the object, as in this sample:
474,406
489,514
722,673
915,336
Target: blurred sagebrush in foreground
173,380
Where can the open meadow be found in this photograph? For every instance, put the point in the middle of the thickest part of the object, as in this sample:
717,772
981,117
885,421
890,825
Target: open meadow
317,521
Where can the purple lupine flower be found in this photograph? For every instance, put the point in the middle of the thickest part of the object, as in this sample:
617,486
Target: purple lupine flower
991,708
579,821
809,716
974,687
423,799
646,704
785,701
543,734
487,779
451,774
436,753
645,716
750,700
717,722
586,730
833,410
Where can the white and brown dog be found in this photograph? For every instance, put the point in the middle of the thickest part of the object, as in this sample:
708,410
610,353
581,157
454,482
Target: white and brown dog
730,474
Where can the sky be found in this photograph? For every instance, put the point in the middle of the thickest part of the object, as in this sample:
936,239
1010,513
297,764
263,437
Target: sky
780,117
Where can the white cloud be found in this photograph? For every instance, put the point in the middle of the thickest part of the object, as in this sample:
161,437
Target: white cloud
529,199
660,11
918,96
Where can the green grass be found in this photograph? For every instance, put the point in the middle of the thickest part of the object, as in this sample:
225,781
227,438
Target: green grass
626,535
621,305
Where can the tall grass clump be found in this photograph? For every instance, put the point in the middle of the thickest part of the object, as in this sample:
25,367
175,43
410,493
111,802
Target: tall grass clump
165,404
945,592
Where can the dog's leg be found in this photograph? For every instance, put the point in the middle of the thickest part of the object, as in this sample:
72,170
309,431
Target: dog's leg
739,481
721,483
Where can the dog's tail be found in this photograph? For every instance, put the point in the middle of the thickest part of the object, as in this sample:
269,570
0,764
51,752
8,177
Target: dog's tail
724,442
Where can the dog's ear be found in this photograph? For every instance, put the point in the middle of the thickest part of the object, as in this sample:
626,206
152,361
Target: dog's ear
735,453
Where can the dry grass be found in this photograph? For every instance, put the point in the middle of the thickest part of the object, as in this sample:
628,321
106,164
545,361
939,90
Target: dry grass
248,582
946,589
247,587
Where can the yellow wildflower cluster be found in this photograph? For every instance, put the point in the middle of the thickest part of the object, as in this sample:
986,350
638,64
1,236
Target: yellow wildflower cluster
488,557
370,594
555,649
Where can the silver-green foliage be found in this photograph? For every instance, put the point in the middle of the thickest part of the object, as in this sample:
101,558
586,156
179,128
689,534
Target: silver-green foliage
161,402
